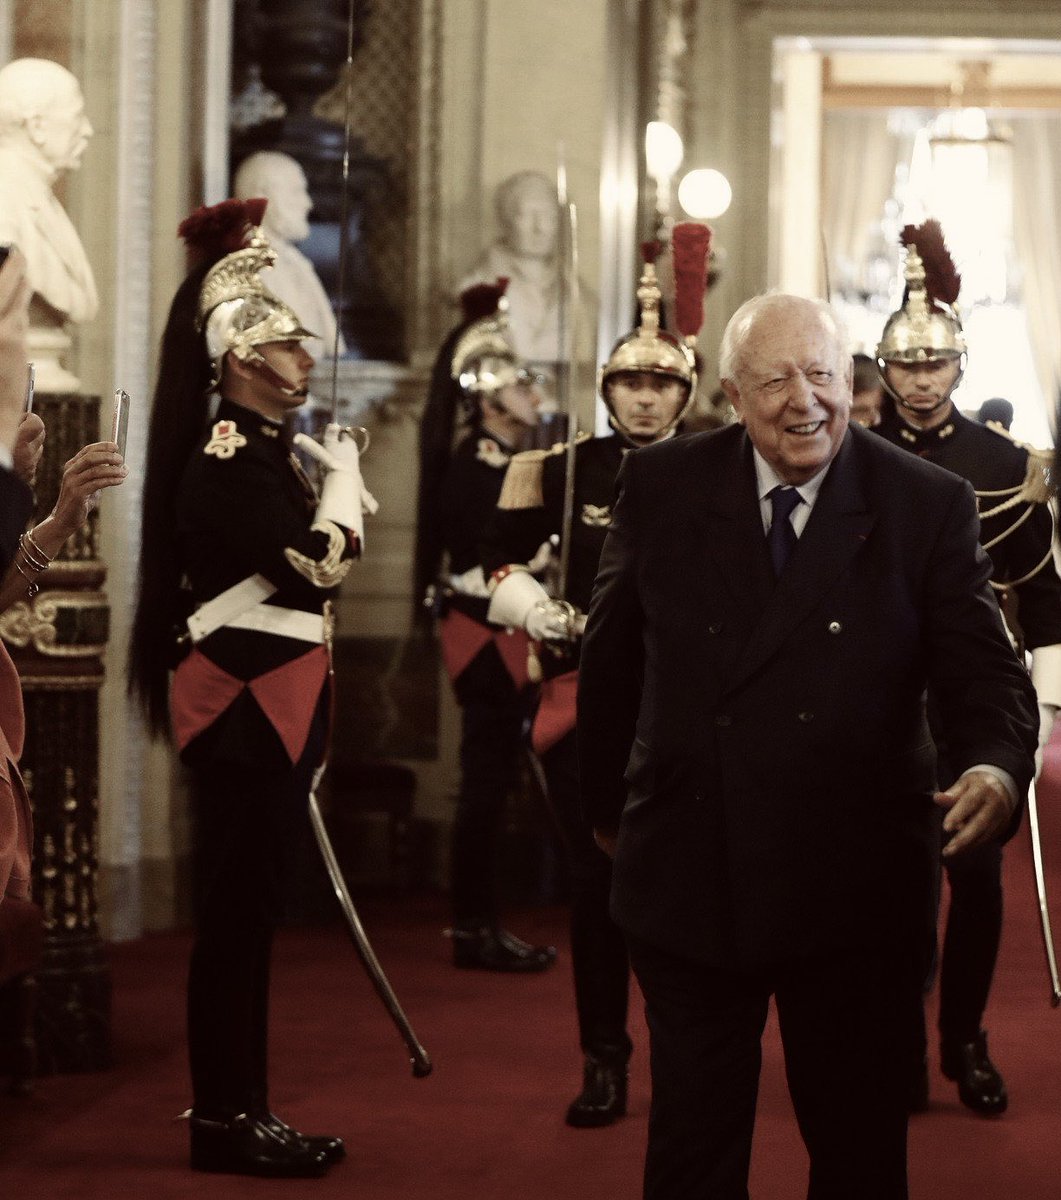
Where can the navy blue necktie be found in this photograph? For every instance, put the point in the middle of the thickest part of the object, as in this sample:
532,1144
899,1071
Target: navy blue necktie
781,537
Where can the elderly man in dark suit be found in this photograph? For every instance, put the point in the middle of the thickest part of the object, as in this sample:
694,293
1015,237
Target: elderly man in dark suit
772,603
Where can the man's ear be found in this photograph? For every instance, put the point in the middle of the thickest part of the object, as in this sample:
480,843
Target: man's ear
35,130
733,396
233,369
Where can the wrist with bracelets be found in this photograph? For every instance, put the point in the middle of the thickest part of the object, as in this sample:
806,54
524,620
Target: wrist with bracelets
34,557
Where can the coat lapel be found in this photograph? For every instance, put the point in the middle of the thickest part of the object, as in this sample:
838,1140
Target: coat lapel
835,532
733,530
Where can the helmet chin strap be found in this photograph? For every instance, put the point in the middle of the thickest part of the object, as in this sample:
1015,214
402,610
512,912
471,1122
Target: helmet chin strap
925,412
274,377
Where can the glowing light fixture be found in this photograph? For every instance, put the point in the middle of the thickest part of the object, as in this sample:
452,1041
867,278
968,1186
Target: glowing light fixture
705,193
663,150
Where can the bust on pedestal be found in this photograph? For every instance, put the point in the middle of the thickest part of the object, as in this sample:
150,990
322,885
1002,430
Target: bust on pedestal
57,636
280,179
44,132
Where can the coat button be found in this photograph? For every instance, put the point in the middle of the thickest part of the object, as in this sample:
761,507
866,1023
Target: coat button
715,627
723,719
806,716
835,626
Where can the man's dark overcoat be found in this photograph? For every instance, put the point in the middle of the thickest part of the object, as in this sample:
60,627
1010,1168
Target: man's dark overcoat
761,744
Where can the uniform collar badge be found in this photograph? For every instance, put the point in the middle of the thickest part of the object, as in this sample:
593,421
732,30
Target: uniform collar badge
225,440
599,516
491,453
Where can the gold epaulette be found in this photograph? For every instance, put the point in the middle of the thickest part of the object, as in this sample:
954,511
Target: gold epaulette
522,487
1036,487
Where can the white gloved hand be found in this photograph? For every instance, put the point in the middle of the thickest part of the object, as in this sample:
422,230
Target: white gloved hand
551,621
344,497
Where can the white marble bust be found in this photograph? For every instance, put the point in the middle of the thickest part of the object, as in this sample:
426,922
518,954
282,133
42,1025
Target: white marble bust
280,179
525,253
43,132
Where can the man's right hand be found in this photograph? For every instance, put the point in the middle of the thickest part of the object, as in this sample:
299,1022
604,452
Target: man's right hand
552,621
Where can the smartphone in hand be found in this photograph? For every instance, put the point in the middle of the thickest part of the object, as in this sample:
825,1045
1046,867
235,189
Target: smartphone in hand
120,419
31,382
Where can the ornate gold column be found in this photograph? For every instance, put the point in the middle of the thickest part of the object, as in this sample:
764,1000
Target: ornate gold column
57,640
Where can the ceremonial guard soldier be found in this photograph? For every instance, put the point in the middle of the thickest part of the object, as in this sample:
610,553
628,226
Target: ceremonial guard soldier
478,376
240,556
921,358
647,384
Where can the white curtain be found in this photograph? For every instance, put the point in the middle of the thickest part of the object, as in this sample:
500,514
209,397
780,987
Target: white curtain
1036,213
859,156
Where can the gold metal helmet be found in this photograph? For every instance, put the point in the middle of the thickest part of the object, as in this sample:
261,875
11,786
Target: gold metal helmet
649,348
484,358
238,313
926,326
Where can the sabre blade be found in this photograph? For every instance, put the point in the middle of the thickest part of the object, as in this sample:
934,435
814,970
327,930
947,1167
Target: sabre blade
344,206
567,341
1041,896
418,1056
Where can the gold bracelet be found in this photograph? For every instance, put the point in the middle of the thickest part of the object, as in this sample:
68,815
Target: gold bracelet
37,566
36,548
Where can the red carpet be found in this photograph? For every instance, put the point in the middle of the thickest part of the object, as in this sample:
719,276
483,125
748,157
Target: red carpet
488,1123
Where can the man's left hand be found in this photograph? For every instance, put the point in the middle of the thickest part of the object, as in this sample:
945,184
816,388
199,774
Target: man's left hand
980,809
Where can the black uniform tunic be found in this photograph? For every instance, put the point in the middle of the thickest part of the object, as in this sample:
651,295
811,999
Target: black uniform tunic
249,711
991,463
599,957
487,666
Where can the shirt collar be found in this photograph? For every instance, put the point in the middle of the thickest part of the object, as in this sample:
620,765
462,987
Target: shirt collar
767,479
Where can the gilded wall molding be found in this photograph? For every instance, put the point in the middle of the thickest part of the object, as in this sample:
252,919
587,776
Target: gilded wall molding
58,624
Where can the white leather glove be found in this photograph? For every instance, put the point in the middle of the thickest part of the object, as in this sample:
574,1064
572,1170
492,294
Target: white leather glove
552,621
344,497
520,601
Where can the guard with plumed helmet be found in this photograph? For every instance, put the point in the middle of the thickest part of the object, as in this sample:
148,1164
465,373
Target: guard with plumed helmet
481,389
921,358
647,384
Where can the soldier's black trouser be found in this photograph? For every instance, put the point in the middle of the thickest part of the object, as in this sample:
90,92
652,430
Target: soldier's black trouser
492,714
598,949
246,823
970,942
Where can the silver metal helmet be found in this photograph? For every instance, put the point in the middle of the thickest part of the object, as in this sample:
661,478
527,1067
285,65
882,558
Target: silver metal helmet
484,358
657,351
926,327
238,313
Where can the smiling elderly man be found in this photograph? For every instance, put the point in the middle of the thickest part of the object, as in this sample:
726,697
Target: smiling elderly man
772,603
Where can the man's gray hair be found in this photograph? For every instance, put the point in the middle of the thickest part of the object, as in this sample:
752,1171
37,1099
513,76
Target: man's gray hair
729,353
